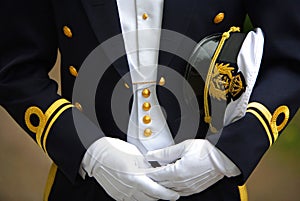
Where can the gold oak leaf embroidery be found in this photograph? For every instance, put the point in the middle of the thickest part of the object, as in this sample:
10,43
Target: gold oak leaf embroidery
226,83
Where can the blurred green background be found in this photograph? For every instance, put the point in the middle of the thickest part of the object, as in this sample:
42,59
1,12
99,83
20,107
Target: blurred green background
24,167
277,177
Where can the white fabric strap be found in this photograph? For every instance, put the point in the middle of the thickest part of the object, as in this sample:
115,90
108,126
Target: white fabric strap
160,136
141,24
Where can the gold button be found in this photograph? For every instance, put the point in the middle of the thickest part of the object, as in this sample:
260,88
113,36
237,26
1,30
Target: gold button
73,71
219,18
67,32
147,132
146,93
126,85
146,106
78,106
145,16
146,119
162,81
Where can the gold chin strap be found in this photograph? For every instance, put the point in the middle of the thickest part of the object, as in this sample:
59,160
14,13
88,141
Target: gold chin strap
225,36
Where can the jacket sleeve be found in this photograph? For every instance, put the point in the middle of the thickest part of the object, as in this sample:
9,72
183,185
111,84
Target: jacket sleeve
275,98
28,49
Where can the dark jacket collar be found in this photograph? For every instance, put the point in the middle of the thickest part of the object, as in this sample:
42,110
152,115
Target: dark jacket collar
104,19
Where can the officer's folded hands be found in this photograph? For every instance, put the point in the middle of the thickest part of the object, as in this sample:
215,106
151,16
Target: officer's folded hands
198,165
121,169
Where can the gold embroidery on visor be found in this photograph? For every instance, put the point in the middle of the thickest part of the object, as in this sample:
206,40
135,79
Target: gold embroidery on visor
226,83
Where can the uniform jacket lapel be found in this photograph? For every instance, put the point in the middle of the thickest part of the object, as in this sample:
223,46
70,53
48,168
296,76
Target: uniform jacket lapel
104,19
103,16
176,17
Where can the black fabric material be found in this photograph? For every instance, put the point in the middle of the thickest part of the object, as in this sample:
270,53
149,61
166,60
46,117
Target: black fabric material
231,48
89,190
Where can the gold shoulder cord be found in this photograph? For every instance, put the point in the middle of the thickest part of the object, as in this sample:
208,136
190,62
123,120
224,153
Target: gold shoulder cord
225,36
46,120
268,120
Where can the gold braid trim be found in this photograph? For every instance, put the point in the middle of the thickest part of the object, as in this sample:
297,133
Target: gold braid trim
38,130
52,122
243,193
44,119
262,121
270,124
225,36
50,181
277,128
149,82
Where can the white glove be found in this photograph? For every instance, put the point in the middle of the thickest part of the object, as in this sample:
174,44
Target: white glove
248,61
199,165
121,169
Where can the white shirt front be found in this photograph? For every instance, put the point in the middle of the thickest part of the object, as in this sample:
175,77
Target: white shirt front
141,23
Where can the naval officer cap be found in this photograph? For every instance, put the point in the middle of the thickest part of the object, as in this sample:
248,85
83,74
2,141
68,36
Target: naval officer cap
228,64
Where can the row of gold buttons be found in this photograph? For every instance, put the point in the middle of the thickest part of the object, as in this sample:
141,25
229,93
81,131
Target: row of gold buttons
146,92
68,33
146,107
218,18
73,71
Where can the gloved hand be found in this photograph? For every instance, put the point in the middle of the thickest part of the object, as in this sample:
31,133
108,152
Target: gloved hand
121,169
199,165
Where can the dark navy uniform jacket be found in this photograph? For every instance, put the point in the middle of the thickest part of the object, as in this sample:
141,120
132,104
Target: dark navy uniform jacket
32,31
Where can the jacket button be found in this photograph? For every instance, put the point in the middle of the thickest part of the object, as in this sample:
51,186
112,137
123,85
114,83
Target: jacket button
145,16
67,31
126,85
146,106
78,106
147,132
146,93
73,71
219,18
162,81
146,119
